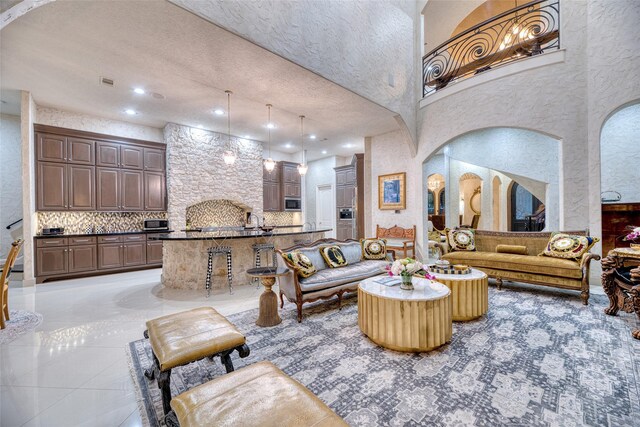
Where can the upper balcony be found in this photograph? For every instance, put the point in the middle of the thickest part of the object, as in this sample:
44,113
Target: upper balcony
514,35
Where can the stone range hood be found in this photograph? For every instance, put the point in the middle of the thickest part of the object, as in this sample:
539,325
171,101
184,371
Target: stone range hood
217,213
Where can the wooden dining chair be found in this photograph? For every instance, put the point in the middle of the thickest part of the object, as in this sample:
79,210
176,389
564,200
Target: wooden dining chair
4,281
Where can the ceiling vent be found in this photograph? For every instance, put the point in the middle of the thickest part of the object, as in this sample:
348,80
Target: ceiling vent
107,81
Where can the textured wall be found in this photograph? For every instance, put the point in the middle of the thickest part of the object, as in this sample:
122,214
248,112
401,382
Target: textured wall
196,171
357,44
10,179
85,122
620,154
390,155
90,222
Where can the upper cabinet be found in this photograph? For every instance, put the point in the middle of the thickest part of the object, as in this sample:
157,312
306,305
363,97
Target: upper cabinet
284,182
86,172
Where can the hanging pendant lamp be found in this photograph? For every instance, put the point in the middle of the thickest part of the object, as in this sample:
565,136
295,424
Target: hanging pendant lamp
302,167
229,156
269,164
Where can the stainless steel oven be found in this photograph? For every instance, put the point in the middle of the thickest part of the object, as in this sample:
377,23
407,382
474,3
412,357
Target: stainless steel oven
346,213
291,204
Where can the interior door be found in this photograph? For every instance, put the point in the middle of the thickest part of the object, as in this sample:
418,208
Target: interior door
325,213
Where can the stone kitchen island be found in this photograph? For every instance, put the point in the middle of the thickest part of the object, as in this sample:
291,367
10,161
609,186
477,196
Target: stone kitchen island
185,254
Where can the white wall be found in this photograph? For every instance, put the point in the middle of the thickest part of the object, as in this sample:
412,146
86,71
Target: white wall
320,172
10,179
78,121
29,222
620,154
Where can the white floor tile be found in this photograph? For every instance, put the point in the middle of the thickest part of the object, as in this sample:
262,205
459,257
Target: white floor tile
19,404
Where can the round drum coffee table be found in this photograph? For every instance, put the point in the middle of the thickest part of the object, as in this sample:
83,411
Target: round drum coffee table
469,293
417,320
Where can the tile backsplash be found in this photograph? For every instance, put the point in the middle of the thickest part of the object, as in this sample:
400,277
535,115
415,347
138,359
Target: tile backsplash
215,213
83,222
283,218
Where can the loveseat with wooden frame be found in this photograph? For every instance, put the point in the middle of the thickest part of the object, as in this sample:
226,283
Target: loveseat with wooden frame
529,267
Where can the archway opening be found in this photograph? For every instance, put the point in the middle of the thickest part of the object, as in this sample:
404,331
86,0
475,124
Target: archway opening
526,211
436,200
470,200
619,175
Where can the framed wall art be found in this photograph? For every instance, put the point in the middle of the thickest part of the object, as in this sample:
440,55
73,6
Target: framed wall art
392,191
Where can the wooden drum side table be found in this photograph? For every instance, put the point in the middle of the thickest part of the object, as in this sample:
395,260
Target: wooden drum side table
469,292
268,300
413,321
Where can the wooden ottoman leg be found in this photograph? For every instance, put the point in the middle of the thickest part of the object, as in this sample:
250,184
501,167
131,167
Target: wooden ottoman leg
635,294
609,286
225,358
164,383
154,369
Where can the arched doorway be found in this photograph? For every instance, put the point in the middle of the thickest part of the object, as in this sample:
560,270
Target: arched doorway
470,199
523,207
435,200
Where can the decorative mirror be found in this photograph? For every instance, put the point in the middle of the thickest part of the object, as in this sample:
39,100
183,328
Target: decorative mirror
475,202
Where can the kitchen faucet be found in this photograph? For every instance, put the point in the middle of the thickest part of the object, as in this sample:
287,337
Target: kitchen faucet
251,214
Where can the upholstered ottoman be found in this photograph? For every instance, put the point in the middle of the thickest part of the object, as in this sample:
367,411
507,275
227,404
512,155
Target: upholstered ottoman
181,338
256,395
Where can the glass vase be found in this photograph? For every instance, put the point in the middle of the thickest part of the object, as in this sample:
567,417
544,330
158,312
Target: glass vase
406,283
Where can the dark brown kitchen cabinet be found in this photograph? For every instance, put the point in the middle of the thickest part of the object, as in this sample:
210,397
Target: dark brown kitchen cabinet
51,148
51,261
135,253
107,189
273,176
132,190
271,201
154,252
80,151
81,187
290,173
154,159
292,190
108,154
109,255
131,157
154,191
82,258
51,192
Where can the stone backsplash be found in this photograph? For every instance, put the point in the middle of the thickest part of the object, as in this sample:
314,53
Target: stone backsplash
283,218
84,222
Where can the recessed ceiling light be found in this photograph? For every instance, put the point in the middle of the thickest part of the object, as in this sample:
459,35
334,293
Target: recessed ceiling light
130,112
271,125
324,151
287,145
312,137
139,91
200,127
247,137
219,112
348,145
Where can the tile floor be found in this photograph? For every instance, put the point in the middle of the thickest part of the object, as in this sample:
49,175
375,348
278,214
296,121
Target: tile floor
72,370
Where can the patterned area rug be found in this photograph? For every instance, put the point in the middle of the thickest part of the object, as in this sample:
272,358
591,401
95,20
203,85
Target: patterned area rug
538,358
21,322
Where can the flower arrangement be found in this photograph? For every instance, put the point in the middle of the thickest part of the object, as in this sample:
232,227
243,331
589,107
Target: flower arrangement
634,234
406,268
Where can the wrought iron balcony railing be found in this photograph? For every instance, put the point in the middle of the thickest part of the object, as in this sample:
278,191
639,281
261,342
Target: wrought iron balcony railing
521,32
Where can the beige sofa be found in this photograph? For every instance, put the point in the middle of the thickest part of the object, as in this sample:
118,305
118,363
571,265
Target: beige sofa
529,268
327,282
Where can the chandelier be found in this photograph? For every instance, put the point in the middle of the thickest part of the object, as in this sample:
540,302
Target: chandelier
229,156
302,167
269,164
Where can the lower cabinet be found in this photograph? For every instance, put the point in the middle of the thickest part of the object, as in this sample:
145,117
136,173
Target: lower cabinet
51,261
82,258
154,252
62,257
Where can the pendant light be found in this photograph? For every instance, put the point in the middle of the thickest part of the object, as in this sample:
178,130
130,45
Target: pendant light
229,156
269,164
302,167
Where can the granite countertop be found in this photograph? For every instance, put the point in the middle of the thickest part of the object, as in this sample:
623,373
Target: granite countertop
112,233
233,234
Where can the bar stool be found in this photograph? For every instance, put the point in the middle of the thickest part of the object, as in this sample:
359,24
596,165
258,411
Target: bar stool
257,249
219,250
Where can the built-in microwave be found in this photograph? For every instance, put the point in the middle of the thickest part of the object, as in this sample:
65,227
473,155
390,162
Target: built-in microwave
156,224
346,213
292,204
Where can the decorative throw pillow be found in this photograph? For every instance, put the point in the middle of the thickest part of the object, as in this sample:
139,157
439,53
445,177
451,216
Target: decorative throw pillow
568,247
511,249
461,239
333,256
374,248
300,263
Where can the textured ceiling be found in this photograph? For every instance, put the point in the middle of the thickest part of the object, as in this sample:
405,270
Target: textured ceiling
60,50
